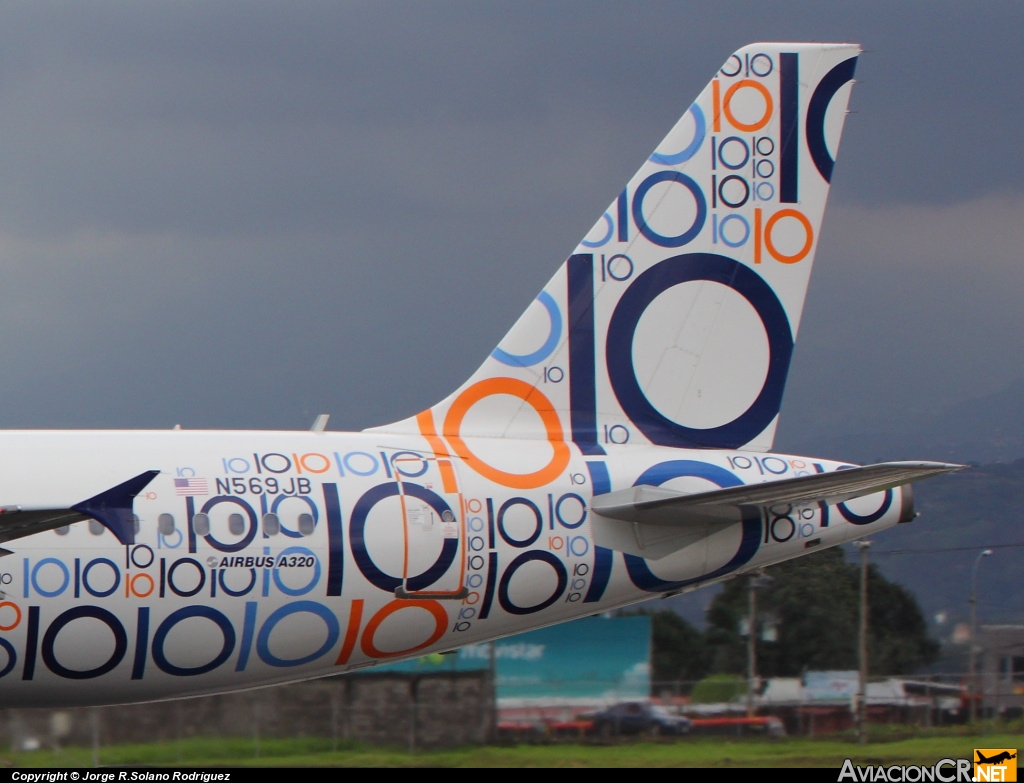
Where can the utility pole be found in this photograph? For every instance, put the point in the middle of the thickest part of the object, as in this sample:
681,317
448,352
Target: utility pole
862,653
757,581
751,646
972,675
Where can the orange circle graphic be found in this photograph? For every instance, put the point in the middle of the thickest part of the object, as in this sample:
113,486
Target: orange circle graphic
17,615
435,608
769,106
535,399
801,254
326,463
136,591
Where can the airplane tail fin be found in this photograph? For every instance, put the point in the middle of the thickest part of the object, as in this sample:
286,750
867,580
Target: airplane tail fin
673,321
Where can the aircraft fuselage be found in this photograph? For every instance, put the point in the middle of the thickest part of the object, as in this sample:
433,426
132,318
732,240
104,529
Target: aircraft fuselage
273,556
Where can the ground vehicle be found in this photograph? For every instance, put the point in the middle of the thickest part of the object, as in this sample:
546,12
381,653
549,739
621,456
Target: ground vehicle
633,717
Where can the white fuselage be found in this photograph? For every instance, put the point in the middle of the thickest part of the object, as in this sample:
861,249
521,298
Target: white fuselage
292,573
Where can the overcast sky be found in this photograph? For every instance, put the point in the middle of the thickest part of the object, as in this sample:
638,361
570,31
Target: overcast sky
245,214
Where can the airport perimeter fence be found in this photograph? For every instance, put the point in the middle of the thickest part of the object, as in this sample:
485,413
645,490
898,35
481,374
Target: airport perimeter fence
820,703
394,709
453,708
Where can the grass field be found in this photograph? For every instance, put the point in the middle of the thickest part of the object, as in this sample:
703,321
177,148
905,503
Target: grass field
690,752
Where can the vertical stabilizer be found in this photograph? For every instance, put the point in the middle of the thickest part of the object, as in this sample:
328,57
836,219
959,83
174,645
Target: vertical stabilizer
673,321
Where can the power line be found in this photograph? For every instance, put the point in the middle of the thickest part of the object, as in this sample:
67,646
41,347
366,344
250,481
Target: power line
973,548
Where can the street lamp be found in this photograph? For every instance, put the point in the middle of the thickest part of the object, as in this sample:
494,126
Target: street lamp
862,654
973,677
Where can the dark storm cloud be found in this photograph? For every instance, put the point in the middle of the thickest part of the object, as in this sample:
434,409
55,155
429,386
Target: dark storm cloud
226,115
241,214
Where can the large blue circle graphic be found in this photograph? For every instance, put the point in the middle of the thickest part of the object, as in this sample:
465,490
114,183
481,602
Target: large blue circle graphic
746,230
866,519
295,591
107,618
818,108
241,544
357,535
64,584
160,638
645,289
12,657
88,568
542,353
236,593
699,131
507,537
656,475
526,557
641,222
609,226
311,504
297,607
743,146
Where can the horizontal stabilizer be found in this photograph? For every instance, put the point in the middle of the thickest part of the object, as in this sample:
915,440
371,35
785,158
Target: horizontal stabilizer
113,509
658,506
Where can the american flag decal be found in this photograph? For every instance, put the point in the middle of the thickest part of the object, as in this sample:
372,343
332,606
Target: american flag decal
190,486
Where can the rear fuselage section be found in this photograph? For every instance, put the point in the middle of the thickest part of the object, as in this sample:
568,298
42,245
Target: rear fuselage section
274,556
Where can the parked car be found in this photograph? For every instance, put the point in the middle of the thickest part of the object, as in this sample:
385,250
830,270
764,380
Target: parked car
634,717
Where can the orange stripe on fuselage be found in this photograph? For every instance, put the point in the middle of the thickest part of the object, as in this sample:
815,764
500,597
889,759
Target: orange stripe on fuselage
425,421
355,619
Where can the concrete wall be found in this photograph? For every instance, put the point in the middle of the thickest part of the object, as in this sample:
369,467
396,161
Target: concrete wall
400,709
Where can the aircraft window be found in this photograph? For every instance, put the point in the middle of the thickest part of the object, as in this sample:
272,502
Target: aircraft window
63,530
201,524
165,524
306,524
236,524
95,527
271,524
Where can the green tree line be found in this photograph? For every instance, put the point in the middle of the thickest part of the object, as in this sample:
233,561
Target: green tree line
807,618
